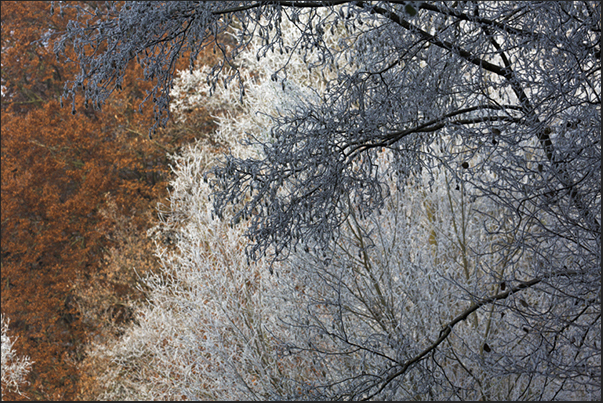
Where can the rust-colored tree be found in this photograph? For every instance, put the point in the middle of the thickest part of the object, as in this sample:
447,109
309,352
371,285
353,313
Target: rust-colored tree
51,193
72,185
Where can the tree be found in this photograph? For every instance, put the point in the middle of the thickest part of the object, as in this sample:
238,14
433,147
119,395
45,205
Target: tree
14,369
61,173
31,75
502,97
204,333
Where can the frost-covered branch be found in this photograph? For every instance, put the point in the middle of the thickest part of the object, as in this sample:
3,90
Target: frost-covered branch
14,369
447,329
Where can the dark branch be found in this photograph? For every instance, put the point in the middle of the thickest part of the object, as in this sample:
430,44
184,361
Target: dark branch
447,329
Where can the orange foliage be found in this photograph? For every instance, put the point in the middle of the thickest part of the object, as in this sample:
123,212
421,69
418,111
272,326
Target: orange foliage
31,75
51,192
72,187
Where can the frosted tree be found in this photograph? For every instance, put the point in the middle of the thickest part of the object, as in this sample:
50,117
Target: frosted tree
211,330
501,99
498,76
410,305
14,368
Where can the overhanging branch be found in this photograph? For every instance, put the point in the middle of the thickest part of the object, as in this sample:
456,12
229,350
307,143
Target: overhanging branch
491,67
509,75
447,329
295,4
433,125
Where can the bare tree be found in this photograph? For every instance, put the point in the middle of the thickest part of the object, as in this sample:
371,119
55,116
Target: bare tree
505,97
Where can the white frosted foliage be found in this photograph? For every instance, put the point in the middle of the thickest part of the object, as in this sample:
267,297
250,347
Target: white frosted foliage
14,368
